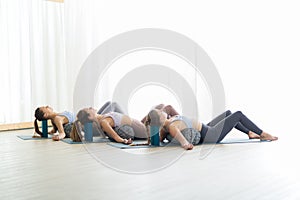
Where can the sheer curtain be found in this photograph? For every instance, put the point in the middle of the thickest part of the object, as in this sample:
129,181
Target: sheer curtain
84,31
89,23
33,71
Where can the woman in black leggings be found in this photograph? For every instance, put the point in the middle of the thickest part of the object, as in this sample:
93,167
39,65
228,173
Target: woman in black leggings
190,132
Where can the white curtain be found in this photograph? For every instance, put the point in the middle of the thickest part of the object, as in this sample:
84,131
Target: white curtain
83,32
33,71
36,68
89,23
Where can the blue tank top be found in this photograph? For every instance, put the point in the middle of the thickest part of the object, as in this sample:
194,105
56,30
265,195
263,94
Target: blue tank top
70,116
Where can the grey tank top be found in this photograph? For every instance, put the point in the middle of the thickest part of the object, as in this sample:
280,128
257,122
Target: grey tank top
186,120
116,117
138,127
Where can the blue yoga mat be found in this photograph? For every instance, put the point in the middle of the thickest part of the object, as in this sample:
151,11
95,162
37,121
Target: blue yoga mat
95,140
225,141
126,146
29,137
235,141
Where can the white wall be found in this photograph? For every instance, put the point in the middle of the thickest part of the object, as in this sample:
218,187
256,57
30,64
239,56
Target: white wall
255,46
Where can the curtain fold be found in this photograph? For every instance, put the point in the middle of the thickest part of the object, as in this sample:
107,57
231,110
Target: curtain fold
33,71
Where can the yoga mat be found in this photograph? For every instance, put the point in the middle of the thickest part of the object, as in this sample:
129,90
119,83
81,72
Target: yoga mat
95,140
126,146
235,141
225,141
29,137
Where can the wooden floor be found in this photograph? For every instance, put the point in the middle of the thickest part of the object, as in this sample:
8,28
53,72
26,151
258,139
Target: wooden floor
32,169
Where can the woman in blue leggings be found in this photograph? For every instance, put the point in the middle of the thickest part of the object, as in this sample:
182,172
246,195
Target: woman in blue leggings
189,132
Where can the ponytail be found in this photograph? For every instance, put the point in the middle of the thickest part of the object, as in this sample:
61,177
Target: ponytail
36,128
75,133
147,121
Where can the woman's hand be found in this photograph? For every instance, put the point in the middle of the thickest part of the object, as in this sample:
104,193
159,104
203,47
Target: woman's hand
129,141
188,146
55,137
58,136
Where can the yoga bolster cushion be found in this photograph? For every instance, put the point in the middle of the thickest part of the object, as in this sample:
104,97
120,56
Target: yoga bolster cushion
125,131
191,135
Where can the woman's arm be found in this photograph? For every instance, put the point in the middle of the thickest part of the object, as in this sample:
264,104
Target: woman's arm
53,130
58,122
106,127
170,111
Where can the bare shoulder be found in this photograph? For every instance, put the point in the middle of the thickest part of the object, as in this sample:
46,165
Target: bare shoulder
106,121
59,119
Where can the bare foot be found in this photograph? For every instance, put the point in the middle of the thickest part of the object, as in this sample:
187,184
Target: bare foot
253,135
188,146
57,137
266,136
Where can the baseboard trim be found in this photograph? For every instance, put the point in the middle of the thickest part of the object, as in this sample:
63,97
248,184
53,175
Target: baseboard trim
20,126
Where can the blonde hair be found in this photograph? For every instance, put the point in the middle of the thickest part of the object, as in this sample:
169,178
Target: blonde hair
75,133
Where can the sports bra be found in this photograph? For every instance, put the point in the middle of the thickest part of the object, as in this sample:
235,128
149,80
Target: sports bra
69,115
186,120
116,117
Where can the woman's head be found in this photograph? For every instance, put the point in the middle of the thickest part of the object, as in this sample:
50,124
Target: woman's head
86,115
156,117
43,113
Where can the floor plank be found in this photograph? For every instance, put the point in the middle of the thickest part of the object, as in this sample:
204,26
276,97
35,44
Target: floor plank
43,169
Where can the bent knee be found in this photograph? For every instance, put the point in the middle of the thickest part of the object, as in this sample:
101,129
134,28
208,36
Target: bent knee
114,104
239,113
228,112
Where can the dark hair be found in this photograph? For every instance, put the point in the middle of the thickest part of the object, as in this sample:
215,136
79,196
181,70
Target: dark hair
39,115
83,116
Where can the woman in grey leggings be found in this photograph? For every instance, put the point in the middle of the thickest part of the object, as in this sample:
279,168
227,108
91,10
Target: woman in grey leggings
190,132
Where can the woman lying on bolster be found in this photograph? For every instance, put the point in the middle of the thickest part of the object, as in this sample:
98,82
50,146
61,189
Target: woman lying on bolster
190,132
61,122
77,133
111,120
172,112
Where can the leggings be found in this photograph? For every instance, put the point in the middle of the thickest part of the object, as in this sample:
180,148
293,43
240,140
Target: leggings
110,107
218,128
